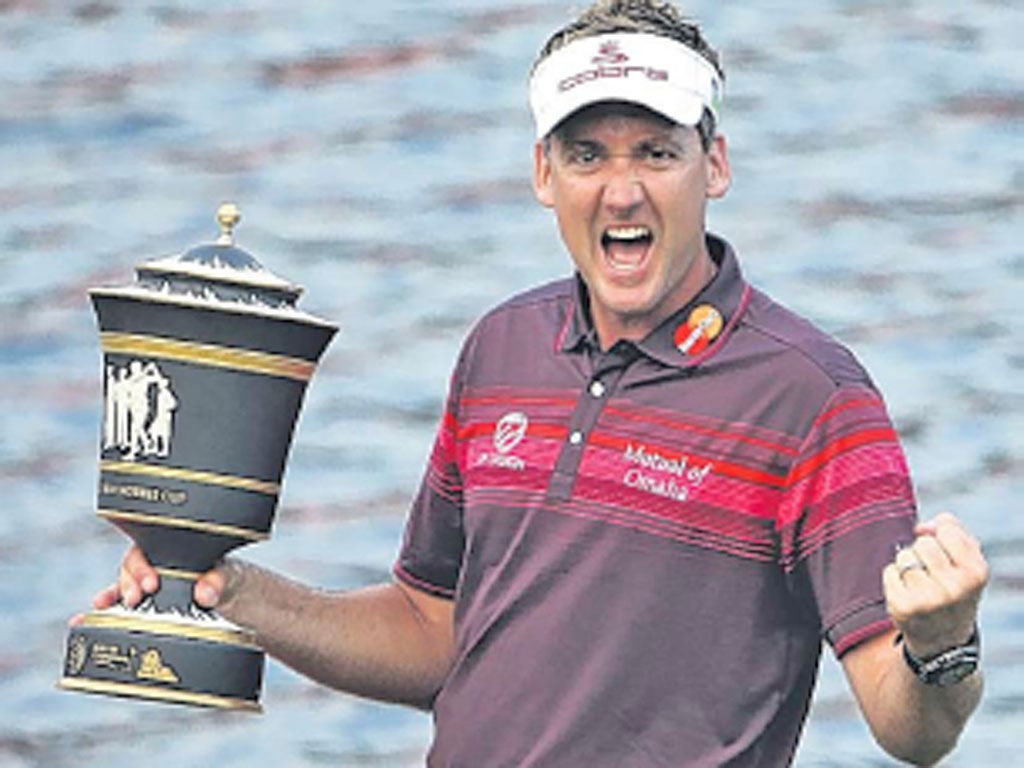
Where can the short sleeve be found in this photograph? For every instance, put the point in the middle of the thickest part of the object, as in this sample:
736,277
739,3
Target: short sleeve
430,558
849,501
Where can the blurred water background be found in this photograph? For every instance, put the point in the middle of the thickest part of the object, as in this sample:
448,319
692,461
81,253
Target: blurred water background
380,154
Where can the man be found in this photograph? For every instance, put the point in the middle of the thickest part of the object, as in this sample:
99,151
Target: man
654,491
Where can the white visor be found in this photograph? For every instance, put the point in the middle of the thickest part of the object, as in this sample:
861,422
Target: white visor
654,71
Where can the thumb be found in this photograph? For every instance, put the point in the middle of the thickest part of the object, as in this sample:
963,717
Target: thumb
208,589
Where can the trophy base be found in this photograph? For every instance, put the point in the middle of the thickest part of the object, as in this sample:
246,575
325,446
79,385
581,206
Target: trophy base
165,658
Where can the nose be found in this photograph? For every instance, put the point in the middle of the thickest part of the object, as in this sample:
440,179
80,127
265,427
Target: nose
623,188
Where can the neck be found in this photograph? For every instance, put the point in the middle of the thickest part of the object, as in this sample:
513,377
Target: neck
612,328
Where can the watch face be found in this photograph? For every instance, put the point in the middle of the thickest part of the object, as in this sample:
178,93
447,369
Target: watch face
955,674
948,668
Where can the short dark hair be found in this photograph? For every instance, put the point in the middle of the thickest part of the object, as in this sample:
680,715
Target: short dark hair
640,16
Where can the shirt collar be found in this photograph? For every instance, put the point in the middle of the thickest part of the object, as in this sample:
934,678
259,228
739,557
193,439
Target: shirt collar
728,293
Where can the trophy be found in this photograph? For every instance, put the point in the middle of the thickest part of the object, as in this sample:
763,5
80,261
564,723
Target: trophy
205,363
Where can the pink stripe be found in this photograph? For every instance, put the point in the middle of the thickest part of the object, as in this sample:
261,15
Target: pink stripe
878,493
851,522
503,400
740,497
735,494
682,534
727,434
479,459
848,399
868,461
692,514
796,551
750,545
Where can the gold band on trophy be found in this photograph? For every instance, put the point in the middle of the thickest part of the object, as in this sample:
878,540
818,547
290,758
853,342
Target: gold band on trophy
246,360
157,694
177,573
154,626
192,476
217,529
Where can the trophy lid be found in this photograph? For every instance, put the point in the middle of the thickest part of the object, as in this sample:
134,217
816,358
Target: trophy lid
216,276
219,271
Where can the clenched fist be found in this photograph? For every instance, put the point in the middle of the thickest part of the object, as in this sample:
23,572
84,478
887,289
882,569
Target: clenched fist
933,586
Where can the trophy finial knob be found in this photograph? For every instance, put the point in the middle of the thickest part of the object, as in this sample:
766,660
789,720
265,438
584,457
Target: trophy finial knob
228,216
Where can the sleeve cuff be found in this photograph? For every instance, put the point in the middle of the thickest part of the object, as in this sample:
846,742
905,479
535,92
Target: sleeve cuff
857,626
421,584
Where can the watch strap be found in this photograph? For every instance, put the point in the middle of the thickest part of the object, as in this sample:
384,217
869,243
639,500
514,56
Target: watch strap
949,667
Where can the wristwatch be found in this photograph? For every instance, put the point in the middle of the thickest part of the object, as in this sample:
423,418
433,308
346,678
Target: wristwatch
949,667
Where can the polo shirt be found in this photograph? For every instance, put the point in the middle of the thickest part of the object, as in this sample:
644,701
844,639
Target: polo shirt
646,546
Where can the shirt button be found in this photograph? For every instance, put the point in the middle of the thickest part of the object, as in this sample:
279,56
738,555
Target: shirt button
576,437
597,389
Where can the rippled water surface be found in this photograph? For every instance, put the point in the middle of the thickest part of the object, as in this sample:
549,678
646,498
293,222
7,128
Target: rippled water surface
380,153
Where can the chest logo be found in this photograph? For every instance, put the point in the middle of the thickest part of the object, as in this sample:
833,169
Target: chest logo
509,432
674,477
703,327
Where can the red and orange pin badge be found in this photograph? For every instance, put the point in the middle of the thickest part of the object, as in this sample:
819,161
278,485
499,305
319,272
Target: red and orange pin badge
702,327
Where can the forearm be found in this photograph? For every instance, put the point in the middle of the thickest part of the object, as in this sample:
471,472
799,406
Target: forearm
932,589
921,724
372,642
912,721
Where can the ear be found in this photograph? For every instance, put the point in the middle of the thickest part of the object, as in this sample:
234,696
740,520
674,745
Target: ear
542,176
718,169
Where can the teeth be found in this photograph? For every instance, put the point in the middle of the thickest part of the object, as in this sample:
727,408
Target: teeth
628,233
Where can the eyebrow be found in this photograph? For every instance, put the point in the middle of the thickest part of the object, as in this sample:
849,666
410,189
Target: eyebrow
570,143
572,134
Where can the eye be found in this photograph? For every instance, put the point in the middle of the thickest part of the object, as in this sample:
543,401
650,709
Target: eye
584,156
659,156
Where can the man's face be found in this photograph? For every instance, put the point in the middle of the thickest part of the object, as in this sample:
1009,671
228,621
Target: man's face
629,190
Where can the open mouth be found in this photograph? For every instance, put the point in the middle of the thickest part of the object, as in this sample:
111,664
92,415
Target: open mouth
626,247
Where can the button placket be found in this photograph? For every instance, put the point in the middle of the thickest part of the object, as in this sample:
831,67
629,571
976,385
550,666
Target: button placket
591,403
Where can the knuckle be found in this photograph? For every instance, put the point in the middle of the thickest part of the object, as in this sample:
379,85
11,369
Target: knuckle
981,576
896,613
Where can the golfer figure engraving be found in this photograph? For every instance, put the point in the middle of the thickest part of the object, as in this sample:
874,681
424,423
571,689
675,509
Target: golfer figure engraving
206,363
138,410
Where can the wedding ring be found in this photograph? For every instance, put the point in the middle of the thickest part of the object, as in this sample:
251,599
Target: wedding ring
915,565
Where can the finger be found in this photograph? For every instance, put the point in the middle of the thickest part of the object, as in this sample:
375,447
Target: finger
106,598
949,583
931,553
962,547
898,597
969,570
139,569
136,578
908,562
930,527
947,518
129,589
208,589
892,584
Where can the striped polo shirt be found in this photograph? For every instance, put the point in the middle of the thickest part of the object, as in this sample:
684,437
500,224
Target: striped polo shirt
647,545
